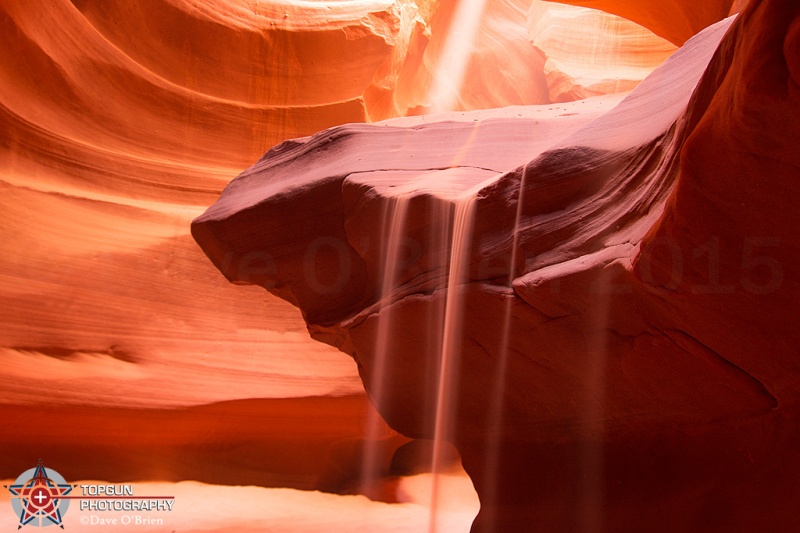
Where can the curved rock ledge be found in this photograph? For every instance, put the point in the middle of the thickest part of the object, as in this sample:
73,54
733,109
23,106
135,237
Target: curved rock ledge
649,382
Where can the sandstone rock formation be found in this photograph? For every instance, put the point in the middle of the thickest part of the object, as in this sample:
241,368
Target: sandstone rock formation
126,357
121,121
117,335
114,136
626,360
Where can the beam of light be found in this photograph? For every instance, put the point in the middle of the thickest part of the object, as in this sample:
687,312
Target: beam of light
394,221
451,67
447,390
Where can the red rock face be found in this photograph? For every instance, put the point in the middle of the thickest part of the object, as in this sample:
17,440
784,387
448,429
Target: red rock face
644,265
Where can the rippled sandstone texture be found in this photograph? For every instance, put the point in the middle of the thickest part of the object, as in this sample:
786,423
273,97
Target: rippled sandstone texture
651,380
124,354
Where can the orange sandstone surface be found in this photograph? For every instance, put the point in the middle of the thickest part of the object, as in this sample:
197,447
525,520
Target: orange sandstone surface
125,356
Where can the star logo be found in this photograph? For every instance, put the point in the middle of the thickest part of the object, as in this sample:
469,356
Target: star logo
38,497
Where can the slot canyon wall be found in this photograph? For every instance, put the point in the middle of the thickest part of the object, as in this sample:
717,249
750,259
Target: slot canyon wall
645,263
654,273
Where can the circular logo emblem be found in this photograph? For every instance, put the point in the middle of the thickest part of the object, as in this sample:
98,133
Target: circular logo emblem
38,497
